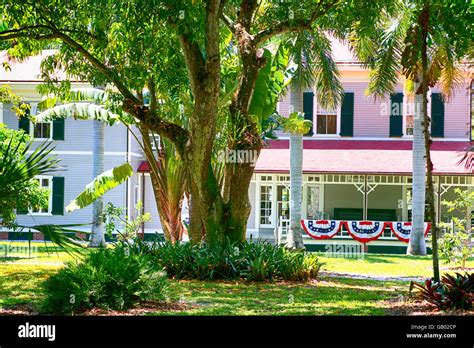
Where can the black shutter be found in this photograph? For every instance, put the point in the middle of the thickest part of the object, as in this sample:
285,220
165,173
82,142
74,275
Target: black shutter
58,196
58,129
24,124
308,102
347,115
396,115
437,115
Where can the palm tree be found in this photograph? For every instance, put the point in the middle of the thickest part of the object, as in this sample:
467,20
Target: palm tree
97,237
425,42
297,126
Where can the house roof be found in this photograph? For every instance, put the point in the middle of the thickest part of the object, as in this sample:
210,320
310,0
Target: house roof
356,157
361,156
28,70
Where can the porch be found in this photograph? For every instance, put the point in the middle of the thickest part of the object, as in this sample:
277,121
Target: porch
344,197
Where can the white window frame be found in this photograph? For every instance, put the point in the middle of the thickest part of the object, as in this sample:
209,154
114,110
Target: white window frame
156,136
315,120
304,202
50,198
272,186
405,109
33,108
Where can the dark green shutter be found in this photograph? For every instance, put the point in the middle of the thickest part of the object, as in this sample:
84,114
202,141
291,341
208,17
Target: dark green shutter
24,124
58,129
308,100
437,116
396,115
58,196
347,115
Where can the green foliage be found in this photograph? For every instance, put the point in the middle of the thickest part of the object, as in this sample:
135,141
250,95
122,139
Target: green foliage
126,227
18,188
106,278
100,185
295,123
453,292
455,243
249,261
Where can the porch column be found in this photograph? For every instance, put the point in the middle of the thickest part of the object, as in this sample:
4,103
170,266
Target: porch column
1,112
366,195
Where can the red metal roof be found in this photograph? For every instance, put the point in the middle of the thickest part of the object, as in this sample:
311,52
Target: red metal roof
356,157
360,156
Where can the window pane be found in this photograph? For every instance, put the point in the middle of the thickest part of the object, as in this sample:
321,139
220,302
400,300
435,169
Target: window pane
409,125
331,124
42,130
321,124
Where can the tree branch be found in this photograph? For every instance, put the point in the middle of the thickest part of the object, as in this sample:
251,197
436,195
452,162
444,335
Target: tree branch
292,25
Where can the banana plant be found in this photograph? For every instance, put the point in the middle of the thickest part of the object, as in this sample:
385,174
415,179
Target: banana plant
271,82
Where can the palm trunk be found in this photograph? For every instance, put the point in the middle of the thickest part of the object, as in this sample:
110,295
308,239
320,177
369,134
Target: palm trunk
417,245
426,132
97,238
295,238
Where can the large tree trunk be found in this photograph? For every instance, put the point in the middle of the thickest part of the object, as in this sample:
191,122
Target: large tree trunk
417,245
294,237
97,238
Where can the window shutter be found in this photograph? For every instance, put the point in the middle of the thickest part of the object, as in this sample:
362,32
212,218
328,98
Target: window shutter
58,129
396,115
58,196
24,124
308,102
347,115
437,115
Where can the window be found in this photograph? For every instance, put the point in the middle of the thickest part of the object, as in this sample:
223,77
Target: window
409,104
154,141
41,130
45,182
326,121
266,204
283,202
136,195
312,203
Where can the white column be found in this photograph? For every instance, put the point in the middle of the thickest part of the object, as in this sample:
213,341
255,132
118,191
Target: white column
1,112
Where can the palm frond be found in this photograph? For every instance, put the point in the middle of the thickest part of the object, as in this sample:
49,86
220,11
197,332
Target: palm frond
83,111
100,185
386,68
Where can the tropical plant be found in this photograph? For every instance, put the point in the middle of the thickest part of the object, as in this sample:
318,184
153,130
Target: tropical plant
258,261
453,292
425,41
126,227
107,278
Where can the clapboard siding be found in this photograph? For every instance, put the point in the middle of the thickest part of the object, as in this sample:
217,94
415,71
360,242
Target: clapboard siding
369,120
252,193
457,115
77,174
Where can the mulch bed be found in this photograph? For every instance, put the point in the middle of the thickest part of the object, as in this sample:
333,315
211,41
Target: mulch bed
143,309
406,306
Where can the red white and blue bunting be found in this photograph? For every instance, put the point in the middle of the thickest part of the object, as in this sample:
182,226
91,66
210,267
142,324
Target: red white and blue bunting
362,231
402,230
321,229
365,231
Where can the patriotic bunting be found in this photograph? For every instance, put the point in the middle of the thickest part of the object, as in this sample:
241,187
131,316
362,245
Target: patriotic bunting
365,231
402,230
362,231
321,229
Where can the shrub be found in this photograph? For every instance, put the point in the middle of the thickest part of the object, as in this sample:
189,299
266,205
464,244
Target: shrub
107,278
250,261
452,292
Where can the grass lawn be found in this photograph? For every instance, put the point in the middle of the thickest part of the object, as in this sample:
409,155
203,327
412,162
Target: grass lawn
386,265
20,280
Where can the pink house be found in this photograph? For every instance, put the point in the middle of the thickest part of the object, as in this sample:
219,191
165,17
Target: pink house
357,159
